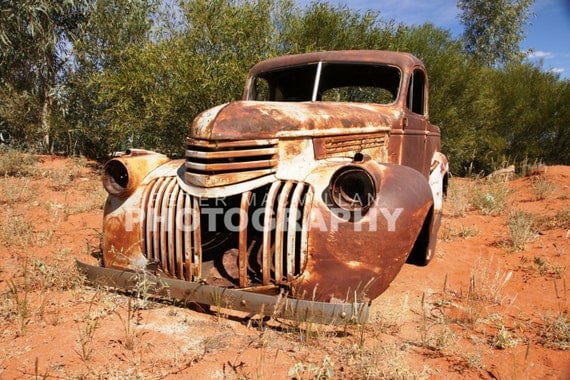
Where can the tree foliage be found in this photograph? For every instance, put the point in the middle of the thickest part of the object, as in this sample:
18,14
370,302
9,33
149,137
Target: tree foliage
494,29
34,48
120,73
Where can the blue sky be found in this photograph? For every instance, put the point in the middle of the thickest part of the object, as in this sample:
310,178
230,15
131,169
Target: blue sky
547,32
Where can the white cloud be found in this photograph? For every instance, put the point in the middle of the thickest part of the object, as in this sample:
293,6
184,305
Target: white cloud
540,54
556,70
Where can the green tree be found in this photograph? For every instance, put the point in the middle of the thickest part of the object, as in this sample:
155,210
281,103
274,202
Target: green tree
113,30
533,118
321,26
459,104
35,38
493,30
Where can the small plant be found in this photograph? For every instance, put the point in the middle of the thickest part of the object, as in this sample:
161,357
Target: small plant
17,164
129,333
541,187
488,282
61,179
492,199
556,332
466,232
457,198
521,227
475,360
14,190
313,371
86,335
20,301
504,339
19,232
543,267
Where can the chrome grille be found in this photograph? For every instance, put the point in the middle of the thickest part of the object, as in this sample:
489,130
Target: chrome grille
272,234
219,163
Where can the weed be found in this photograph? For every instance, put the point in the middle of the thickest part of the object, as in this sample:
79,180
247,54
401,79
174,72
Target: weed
14,190
20,299
457,198
17,164
560,220
504,339
528,168
475,360
129,333
87,333
313,371
521,227
390,318
488,282
18,232
542,267
446,233
19,294
466,232
94,201
556,332
541,187
62,275
61,179
492,197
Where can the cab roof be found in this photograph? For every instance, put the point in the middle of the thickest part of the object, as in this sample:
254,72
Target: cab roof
400,59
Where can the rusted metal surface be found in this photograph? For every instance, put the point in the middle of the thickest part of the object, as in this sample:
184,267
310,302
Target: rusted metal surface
276,305
321,200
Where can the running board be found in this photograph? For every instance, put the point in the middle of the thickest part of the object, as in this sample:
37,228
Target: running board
278,306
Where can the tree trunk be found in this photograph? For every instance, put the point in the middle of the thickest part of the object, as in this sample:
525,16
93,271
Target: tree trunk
46,123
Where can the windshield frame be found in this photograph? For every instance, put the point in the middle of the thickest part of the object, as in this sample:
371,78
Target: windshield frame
312,93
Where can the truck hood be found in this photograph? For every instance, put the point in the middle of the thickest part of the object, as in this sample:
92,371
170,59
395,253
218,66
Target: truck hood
243,120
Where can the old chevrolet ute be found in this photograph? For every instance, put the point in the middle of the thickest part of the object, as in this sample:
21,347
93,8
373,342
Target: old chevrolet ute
301,201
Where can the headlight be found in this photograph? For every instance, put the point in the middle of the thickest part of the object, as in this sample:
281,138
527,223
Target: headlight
352,188
122,175
115,177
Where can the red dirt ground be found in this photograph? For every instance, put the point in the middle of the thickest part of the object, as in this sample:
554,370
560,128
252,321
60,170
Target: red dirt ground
480,310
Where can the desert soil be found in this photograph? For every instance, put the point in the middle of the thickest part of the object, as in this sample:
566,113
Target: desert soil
482,309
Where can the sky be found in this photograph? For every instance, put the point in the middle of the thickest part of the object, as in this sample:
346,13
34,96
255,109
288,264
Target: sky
547,31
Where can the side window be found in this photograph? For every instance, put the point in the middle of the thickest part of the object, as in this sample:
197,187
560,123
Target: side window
260,89
416,96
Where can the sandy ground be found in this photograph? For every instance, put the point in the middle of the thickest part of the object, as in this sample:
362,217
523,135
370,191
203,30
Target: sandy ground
481,309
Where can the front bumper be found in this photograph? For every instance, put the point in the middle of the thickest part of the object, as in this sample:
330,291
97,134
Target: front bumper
275,306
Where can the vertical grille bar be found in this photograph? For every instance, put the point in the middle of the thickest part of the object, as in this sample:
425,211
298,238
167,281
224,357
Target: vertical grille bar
179,246
304,246
167,229
197,247
267,222
243,222
292,229
188,250
279,230
158,255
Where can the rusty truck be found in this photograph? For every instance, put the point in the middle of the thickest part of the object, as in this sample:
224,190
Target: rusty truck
302,200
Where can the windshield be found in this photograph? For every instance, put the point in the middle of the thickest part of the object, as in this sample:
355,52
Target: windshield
334,82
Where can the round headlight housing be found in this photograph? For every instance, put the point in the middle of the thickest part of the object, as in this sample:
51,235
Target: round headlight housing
352,188
115,177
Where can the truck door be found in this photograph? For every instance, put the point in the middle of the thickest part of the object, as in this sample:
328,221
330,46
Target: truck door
415,124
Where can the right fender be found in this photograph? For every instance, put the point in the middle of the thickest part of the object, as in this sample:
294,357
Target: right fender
348,255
